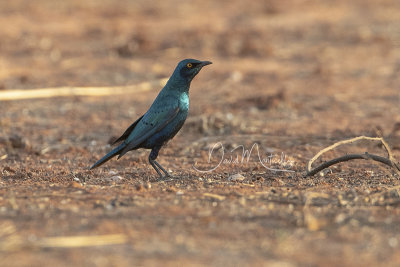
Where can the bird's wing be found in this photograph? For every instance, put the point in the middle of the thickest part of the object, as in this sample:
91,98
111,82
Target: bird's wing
127,131
152,122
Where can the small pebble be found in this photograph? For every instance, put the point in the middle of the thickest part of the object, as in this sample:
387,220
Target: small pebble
236,177
138,187
75,185
17,141
116,178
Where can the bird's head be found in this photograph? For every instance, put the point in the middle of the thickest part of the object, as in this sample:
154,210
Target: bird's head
188,68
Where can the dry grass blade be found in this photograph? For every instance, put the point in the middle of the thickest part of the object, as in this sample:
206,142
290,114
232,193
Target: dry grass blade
14,242
214,196
81,241
8,95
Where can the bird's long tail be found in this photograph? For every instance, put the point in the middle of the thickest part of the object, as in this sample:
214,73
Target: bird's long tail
110,155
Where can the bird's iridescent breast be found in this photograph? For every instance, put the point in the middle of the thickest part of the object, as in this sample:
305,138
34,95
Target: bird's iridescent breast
184,101
173,127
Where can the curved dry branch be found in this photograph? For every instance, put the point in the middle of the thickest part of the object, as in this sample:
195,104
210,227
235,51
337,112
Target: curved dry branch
365,156
387,161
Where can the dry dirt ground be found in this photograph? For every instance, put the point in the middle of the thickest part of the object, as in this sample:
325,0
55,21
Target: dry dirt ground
290,76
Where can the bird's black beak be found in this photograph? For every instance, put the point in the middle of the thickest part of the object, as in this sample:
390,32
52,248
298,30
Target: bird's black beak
205,63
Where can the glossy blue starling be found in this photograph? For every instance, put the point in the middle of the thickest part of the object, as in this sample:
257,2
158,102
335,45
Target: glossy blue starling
164,118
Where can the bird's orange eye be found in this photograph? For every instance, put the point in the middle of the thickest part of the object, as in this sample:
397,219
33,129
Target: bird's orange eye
189,65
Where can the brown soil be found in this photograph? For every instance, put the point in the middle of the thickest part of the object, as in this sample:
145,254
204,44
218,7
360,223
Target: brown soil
291,76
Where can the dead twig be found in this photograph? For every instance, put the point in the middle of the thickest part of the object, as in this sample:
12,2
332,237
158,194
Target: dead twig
387,161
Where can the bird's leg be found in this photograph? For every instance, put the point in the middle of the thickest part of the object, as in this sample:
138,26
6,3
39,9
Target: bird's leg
161,168
155,167
152,160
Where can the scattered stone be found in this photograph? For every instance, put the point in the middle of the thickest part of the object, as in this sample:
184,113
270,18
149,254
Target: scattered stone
340,218
171,190
393,242
116,178
314,223
75,184
138,187
3,141
9,169
236,177
17,141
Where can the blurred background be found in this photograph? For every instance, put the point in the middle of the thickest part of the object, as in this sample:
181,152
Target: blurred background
293,76
315,57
